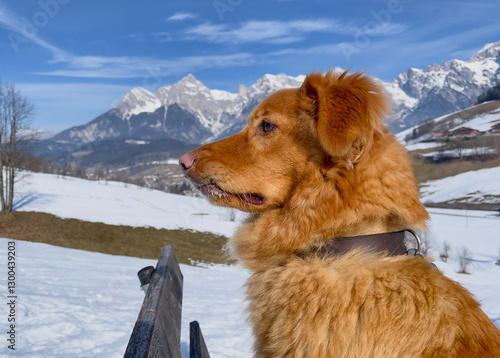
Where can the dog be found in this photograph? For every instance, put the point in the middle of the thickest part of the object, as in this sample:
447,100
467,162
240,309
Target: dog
317,165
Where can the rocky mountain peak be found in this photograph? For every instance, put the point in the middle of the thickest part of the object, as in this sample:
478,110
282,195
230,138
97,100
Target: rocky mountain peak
187,88
489,51
136,101
272,83
162,93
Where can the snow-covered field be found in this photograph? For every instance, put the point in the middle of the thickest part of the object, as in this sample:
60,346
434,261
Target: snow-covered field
478,186
73,303
119,204
423,146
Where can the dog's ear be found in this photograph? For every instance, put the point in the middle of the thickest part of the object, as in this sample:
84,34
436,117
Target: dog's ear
347,109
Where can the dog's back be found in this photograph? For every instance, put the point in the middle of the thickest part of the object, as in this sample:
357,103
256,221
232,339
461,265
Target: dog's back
363,305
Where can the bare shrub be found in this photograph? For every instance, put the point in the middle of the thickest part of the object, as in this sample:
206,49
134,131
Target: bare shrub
464,260
427,242
444,253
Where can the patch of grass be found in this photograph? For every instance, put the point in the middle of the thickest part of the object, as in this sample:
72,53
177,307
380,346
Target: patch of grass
190,247
425,171
462,206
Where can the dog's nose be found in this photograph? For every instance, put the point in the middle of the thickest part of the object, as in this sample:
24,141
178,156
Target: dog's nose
187,161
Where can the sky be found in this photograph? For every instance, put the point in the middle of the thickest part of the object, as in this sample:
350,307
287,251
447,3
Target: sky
76,59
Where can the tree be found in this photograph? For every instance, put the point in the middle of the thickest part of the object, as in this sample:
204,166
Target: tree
15,115
458,145
491,94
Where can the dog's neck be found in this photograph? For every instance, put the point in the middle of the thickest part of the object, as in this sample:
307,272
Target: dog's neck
391,244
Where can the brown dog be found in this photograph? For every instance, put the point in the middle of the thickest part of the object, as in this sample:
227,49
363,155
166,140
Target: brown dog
314,164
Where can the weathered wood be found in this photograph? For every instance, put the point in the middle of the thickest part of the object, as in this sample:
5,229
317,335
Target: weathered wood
197,346
157,331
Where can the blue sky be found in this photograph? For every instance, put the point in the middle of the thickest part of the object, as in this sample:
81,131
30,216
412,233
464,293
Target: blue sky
75,59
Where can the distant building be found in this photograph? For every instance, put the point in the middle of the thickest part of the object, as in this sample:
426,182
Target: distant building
462,132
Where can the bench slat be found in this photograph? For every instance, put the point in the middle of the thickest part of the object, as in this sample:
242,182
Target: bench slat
197,346
157,329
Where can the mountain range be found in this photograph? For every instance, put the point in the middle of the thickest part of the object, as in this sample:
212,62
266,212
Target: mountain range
190,112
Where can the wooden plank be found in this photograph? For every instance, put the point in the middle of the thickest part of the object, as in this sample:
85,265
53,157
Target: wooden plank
197,346
157,331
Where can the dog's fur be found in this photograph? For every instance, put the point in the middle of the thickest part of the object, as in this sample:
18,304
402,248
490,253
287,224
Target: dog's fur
313,164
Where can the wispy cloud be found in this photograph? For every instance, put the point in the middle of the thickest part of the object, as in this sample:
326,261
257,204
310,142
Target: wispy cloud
145,67
281,32
257,31
21,33
114,67
181,16
330,49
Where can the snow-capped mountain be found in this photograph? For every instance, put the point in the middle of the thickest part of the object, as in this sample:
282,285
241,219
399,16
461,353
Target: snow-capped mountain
39,134
187,111
138,100
420,94
212,108
191,112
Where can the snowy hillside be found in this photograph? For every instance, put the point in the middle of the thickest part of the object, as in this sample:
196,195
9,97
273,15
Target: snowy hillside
79,304
478,186
119,204
438,138
482,117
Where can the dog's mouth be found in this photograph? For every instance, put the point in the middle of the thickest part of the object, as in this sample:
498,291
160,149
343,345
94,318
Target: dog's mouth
213,191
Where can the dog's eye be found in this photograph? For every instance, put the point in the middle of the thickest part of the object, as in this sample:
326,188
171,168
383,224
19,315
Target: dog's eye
267,127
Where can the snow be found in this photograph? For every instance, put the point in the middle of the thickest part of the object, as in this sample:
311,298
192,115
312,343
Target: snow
137,101
136,142
219,95
465,152
483,122
477,186
478,231
271,83
400,97
126,204
457,88
38,134
72,303
484,70
423,146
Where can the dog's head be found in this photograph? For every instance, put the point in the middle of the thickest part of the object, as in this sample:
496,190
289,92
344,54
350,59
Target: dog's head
331,121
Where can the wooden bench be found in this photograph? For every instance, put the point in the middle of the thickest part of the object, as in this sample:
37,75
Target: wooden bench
157,331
